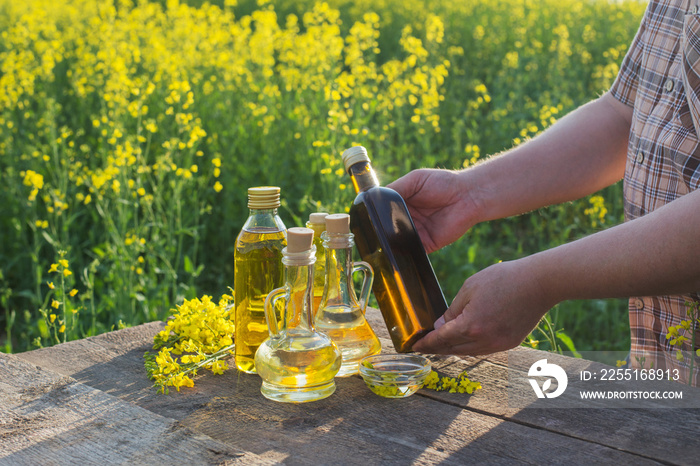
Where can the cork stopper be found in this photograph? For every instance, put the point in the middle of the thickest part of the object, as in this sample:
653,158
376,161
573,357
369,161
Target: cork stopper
338,224
299,239
264,197
318,218
353,155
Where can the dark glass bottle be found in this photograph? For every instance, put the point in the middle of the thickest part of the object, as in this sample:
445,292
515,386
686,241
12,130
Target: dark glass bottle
405,286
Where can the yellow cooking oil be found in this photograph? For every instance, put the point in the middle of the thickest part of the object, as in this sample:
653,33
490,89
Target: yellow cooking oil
341,314
258,270
352,333
296,363
298,368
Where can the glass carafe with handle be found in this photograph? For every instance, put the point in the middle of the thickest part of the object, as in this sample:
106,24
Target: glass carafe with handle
341,315
297,363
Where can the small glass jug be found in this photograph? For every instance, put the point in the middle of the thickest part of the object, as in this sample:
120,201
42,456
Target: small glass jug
297,363
340,315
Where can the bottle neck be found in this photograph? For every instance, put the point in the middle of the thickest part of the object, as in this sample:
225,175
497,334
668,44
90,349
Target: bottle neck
363,176
264,218
318,228
339,268
298,278
271,212
299,284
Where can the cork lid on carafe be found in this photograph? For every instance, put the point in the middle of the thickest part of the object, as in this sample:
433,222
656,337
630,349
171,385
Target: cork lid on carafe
338,224
338,231
318,218
299,239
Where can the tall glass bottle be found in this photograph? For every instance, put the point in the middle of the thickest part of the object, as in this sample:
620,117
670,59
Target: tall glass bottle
297,363
317,222
258,270
405,286
340,315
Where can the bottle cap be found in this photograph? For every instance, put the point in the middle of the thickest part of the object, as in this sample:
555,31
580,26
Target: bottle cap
299,239
353,155
264,197
338,224
318,218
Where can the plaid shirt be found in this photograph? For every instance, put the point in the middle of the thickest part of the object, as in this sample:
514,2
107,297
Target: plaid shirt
660,78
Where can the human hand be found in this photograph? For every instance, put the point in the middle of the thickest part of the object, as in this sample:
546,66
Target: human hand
440,204
494,310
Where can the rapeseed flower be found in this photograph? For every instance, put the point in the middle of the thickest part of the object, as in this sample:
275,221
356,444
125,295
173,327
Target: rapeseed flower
200,334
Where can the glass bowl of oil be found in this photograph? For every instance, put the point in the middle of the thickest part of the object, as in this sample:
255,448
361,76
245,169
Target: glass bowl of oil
394,375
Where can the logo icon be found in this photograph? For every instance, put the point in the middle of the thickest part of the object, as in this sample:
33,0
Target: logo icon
542,369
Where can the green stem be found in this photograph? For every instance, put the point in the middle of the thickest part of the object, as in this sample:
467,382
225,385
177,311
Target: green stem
207,360
693,319
63,305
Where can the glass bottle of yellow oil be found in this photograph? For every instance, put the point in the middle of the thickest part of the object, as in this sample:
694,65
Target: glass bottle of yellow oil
317,222
405,286
297,364
258,269
341,316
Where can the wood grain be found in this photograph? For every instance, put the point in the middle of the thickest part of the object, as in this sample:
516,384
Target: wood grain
48,418
354,426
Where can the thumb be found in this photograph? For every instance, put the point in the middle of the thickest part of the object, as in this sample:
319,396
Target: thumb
450,314
458,305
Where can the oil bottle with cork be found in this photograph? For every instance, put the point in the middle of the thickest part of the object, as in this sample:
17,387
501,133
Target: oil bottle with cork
405,286
341,315
297,363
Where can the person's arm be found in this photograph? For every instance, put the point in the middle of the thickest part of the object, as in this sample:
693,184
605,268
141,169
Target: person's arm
496,308
580,154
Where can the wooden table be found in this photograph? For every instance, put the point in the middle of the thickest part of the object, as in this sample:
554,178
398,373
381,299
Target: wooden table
90,402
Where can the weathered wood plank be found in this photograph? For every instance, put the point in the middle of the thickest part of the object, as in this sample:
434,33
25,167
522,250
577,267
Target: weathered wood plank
353,425
652,432
47,418
357,427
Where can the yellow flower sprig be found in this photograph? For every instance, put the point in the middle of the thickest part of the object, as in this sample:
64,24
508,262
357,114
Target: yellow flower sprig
460,384
198,335
677,338
61,316
677,333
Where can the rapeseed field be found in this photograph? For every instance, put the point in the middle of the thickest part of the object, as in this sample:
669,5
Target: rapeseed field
131,130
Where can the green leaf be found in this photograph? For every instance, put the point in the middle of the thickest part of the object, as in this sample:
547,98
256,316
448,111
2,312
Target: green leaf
189,268
568,342
48,238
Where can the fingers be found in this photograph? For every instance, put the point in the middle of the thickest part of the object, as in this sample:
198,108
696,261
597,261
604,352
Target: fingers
407,186
449,338
439,323
448,333
451,313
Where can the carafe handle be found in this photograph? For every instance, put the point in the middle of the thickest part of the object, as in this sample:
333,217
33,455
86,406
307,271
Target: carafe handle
270,305
367,280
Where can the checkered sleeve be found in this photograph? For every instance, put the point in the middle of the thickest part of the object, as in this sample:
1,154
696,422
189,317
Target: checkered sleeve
691,66
624,88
